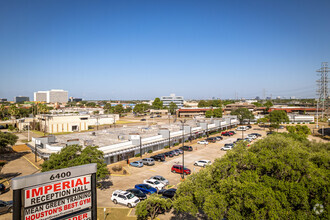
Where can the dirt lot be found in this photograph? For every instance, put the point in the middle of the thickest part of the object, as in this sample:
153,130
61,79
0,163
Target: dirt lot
137,175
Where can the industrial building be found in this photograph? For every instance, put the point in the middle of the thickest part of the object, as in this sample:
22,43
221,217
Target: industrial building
73,122
178,100
18,99
134,143
51,96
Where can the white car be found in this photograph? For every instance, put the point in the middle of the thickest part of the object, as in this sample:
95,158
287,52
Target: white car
160,179
202,163
227,147
252,136
154,183
202,142
125,198
242,128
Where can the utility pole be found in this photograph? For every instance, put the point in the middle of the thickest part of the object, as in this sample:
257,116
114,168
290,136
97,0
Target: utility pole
322,91
182,122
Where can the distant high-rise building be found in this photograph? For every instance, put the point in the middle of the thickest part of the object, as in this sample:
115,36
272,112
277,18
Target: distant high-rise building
178,100
3,100
257,98
40,96
52,96
71,99
21,99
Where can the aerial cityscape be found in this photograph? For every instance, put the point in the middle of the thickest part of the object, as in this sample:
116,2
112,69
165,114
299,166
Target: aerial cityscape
164,109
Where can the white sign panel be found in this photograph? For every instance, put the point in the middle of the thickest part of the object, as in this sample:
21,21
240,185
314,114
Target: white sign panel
56,190
59,208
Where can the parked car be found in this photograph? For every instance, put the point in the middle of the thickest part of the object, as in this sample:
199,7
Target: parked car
249,126
202,163
248,139
234,132
211,139
6,206
3,188
227,147
125,198
256,134
270,132
138,163
179,169
168,194
186,148
179,151
219,138
202,142
169,154
252,136
160,179
146,188
242,128
143,119
158,157
154,183
227,133
148,161
138,193
2,127
158,116
175,153
281,127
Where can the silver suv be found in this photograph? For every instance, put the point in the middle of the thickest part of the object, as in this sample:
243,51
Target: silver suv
148,161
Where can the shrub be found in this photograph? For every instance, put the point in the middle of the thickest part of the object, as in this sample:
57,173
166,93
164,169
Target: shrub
149,151
137,155
166,147
176,144
117,168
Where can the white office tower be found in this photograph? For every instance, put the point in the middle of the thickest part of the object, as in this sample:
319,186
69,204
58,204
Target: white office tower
178,100
40,96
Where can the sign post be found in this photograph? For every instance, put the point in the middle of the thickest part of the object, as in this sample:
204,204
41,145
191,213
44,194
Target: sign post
68,193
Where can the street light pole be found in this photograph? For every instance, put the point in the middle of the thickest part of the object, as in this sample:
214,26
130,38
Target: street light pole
140,147
182,122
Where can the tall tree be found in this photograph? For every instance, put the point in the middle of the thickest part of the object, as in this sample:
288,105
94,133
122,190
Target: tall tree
217,113
209,113
152,206
13,111
2,110
157,104
277,117
74,155
242,113
202,103
280,177
119,109
172,108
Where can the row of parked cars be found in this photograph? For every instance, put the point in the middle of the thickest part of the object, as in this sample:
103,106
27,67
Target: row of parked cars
249,138
131,197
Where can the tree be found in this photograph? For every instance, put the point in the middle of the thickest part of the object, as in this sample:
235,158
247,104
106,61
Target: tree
2,110
242,113
217,113
152,206
209,113
157,104
141,108
257,104
7,139
13,111
268,104
279,177
74,155
108,109
302,130
118,109
215,103
42,108
172,108
202,103
91,104
277,117
263,120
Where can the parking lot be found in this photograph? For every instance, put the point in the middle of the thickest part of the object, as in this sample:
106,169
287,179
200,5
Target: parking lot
137,175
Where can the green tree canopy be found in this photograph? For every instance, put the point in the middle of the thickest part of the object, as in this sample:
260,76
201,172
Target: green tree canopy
108,108
157,104
242,113
217,113
277,117
279,177
209,113
299,129
75,155
257,104
172,108
202,103
141,108
152,206
7,139
119,109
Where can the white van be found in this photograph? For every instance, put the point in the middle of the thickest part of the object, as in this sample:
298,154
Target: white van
242,128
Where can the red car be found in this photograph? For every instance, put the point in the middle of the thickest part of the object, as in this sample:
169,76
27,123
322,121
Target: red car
227,133
178,169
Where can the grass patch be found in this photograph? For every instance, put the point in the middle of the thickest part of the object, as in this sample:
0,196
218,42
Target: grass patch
114,213
40,133
124,122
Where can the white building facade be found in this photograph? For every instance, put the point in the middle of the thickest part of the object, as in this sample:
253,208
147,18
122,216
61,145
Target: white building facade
178,100
52,96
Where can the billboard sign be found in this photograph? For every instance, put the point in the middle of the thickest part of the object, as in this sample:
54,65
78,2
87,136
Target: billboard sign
56,194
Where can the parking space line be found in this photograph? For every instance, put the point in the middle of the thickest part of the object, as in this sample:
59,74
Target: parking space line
31,163
153,170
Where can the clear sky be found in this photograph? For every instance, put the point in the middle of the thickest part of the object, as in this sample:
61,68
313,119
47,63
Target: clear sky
146,49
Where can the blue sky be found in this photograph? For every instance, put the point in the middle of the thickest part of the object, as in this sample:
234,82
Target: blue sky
146,49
